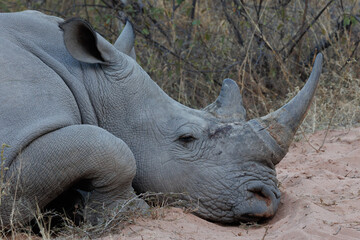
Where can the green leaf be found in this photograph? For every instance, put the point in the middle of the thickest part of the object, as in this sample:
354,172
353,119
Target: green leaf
346,21
196,22
156,12
145,31
323,31
207,36
353,20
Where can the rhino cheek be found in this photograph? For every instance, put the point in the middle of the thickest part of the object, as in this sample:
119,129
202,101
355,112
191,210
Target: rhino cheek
216,202
211,199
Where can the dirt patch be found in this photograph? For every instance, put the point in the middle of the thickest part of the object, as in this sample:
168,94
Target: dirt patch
320,199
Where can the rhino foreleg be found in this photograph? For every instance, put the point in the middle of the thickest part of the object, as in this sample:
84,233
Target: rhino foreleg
83,156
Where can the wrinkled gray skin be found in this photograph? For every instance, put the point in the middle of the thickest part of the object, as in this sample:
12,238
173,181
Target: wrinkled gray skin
78,115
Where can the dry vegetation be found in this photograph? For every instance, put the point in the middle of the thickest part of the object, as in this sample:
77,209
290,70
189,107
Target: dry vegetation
189,46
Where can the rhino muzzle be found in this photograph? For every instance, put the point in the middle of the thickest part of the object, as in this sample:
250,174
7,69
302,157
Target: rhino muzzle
263,202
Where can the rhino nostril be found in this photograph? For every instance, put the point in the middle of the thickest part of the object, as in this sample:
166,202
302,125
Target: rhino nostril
262,202
264,193
259,195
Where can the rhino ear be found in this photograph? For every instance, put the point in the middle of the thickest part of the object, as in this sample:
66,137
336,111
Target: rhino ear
125,42
229,103
84,44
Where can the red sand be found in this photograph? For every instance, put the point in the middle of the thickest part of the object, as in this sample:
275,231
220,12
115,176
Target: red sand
320,199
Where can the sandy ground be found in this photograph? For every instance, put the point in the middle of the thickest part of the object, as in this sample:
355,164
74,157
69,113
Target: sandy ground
320,199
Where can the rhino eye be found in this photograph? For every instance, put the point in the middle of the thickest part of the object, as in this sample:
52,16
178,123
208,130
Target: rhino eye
186,138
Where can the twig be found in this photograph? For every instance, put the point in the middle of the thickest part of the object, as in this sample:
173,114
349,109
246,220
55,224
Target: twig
348,173
192,16
266,231
328,41
333,109
285,3
351,55
307,139
326,133
164,49
107,4
328,127
258,10
259,37
176,6
298,36
275,52
157,25
232,23
86,11
302,29
337,231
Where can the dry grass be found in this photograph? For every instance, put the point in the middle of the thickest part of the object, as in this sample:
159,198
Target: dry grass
189,55
50,224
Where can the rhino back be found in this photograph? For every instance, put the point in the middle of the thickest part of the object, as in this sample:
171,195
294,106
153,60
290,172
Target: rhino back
40,84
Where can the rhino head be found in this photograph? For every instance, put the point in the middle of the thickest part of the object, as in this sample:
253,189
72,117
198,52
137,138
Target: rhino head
221,160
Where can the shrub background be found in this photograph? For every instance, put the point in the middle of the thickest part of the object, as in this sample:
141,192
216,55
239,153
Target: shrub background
189,46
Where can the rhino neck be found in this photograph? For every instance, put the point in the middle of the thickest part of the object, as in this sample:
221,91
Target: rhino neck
122,98
132,109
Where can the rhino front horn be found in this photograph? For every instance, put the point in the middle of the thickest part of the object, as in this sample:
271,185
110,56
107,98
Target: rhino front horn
229,103
284,122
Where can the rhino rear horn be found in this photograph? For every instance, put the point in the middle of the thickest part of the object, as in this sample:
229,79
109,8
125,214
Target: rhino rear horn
229,103
284,122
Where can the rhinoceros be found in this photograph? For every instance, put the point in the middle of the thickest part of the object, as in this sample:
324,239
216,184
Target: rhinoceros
77,112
